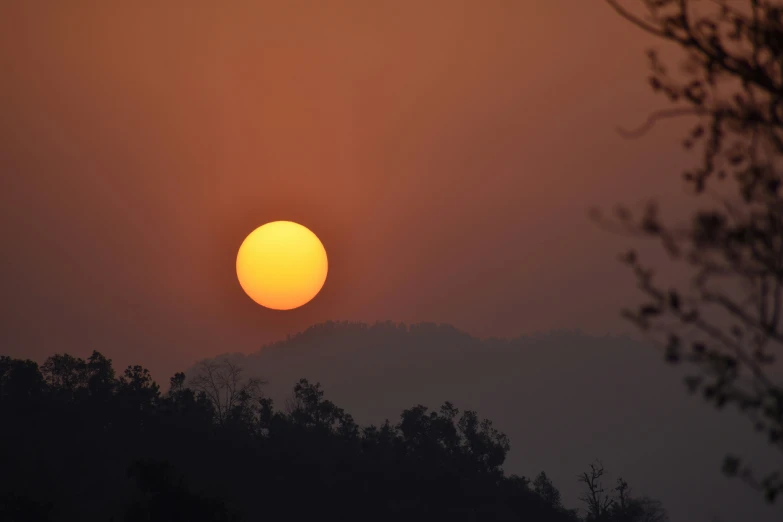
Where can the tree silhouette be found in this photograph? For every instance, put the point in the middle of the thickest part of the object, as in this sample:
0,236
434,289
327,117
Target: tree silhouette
726,324
79,443
616,505
20,381
100,375
65,372
309,409
230,393
596,498
544,487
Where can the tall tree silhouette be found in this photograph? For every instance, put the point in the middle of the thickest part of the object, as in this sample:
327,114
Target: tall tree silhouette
726,324
598,501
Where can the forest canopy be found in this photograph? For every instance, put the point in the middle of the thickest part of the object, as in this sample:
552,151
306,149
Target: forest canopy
82,443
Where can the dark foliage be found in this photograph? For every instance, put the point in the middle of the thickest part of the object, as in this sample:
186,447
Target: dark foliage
727,323
79,443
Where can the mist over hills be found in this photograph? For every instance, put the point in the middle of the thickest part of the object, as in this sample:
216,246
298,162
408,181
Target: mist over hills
639,422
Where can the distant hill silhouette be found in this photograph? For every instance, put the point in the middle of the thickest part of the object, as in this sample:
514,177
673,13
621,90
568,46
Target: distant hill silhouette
80,440
563,399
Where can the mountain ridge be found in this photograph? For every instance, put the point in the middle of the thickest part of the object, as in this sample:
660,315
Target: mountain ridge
375,371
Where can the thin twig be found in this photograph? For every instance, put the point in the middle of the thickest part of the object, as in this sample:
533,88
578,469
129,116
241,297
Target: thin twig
660,115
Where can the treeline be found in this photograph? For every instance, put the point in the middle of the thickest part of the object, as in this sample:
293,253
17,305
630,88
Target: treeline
78,442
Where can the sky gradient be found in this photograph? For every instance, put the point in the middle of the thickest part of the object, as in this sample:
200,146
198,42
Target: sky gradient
446,153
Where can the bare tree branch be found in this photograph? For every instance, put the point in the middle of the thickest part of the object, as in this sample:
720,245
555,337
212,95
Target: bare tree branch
657,116
225,387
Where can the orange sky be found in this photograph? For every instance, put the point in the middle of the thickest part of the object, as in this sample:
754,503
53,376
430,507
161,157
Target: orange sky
445,152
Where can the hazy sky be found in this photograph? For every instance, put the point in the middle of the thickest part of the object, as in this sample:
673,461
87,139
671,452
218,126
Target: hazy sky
445,152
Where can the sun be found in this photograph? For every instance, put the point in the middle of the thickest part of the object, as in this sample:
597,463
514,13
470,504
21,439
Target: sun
282,265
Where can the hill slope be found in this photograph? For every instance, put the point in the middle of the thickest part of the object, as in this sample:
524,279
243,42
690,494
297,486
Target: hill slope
563,398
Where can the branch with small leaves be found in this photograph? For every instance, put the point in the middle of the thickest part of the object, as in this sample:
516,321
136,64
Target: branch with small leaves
731,80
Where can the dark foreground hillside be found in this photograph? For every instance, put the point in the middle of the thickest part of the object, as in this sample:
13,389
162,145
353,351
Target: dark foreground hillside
78,443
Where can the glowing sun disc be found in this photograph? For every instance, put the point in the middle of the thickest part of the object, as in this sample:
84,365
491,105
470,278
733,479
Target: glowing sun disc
282,265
